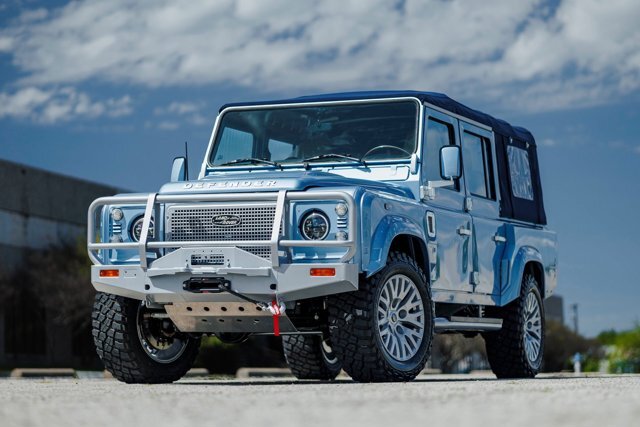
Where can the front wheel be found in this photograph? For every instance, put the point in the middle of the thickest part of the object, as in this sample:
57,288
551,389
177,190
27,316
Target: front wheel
383,331
516,350
138,345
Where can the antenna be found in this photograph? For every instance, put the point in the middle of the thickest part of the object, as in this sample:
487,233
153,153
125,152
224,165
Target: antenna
186,161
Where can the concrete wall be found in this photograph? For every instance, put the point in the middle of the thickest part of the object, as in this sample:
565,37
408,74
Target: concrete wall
39,209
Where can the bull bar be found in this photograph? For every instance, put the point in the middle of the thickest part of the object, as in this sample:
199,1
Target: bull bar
153,200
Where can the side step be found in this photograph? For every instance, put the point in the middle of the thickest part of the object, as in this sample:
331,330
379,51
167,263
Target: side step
466,324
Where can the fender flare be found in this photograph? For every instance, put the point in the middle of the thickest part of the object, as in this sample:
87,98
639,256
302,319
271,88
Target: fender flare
390,227
525,255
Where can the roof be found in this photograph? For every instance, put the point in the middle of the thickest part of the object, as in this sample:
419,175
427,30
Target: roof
438,99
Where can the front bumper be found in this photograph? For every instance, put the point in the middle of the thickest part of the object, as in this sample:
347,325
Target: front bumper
252,276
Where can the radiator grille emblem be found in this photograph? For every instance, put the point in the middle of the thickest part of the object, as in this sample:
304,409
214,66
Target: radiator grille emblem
226,220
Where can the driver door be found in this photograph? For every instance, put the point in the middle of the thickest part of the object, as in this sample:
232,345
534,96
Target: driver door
448,224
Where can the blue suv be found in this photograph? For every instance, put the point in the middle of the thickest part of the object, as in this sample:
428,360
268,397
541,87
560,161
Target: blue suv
354,225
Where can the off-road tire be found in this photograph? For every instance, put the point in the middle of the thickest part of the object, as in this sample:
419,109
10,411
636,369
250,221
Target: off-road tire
307,360
115,334
505,348
354,332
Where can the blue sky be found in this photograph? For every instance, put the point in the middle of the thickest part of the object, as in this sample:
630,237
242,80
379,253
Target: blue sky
109,90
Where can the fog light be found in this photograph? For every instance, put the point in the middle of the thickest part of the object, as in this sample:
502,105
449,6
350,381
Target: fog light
117,214
322,272
342,235
109,273
341,209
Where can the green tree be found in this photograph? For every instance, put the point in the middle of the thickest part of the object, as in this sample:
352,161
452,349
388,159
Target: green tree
562,344
624,350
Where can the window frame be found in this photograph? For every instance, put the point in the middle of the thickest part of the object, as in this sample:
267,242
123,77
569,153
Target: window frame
488,164
451,126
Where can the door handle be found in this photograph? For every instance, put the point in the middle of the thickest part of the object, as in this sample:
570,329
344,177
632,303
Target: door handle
499,239
463,231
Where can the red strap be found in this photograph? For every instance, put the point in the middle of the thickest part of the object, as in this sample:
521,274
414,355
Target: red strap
276,318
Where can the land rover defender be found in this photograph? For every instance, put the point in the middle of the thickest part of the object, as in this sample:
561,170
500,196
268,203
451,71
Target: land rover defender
354,225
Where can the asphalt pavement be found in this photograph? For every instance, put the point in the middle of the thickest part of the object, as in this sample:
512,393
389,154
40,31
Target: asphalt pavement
442,400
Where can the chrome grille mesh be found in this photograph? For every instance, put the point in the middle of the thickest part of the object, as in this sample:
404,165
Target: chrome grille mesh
196,223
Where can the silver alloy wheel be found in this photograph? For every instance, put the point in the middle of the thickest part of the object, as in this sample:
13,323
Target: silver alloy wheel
401,318
532,327
160,344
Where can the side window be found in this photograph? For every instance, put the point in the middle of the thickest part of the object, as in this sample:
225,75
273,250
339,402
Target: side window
280,150
438,135
478,166
520,172
234,144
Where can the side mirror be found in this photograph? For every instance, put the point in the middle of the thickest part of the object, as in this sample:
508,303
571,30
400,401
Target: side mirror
179,169
450,162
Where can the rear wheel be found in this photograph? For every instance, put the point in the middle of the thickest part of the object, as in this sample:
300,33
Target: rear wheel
310,357
383,331
138,345
516,351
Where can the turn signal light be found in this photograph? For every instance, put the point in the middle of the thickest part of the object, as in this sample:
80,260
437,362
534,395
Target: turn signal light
109,273
322,272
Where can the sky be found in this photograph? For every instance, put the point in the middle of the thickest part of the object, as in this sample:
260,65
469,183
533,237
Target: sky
108,91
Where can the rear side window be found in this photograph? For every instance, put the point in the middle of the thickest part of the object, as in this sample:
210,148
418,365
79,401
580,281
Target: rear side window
438,135
234,144
520,173
478,166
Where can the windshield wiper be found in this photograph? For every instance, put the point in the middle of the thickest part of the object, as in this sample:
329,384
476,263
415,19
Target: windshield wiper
334,156
252,160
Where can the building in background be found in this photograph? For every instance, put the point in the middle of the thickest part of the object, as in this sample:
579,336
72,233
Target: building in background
38,209
554,308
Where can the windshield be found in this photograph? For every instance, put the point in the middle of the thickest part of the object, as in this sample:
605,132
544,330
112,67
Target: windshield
375,131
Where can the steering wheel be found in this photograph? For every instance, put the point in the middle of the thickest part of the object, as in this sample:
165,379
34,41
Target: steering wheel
385,147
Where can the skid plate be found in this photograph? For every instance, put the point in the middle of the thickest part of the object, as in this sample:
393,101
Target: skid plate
242,317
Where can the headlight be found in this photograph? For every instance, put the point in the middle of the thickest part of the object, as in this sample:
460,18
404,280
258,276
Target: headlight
136,229
314,225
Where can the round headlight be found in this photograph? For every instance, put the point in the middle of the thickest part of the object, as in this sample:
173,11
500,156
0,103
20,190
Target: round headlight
314,226
341,209
116,214
136,229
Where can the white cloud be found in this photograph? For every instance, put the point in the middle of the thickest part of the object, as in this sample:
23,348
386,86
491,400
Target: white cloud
168,125
180,108
189,112
548,142
525,53
59,105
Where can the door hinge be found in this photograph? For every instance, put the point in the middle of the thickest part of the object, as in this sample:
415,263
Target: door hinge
475,278
464,231
468,204
499,239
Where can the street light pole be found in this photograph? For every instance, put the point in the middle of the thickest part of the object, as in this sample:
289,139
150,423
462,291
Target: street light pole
574,315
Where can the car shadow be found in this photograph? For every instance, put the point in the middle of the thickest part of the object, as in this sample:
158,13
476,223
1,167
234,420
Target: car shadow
347,381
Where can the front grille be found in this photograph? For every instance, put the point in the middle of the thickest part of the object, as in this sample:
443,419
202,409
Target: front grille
214,223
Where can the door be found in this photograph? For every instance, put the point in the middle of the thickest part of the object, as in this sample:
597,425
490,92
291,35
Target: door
478,161
448,224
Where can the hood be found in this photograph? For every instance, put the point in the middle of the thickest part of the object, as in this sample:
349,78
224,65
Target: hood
286,180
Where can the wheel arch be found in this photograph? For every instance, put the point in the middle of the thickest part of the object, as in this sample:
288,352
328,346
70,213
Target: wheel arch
396,233
527,259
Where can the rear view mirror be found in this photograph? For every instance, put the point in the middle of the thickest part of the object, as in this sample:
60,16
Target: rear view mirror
179,169
450,162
